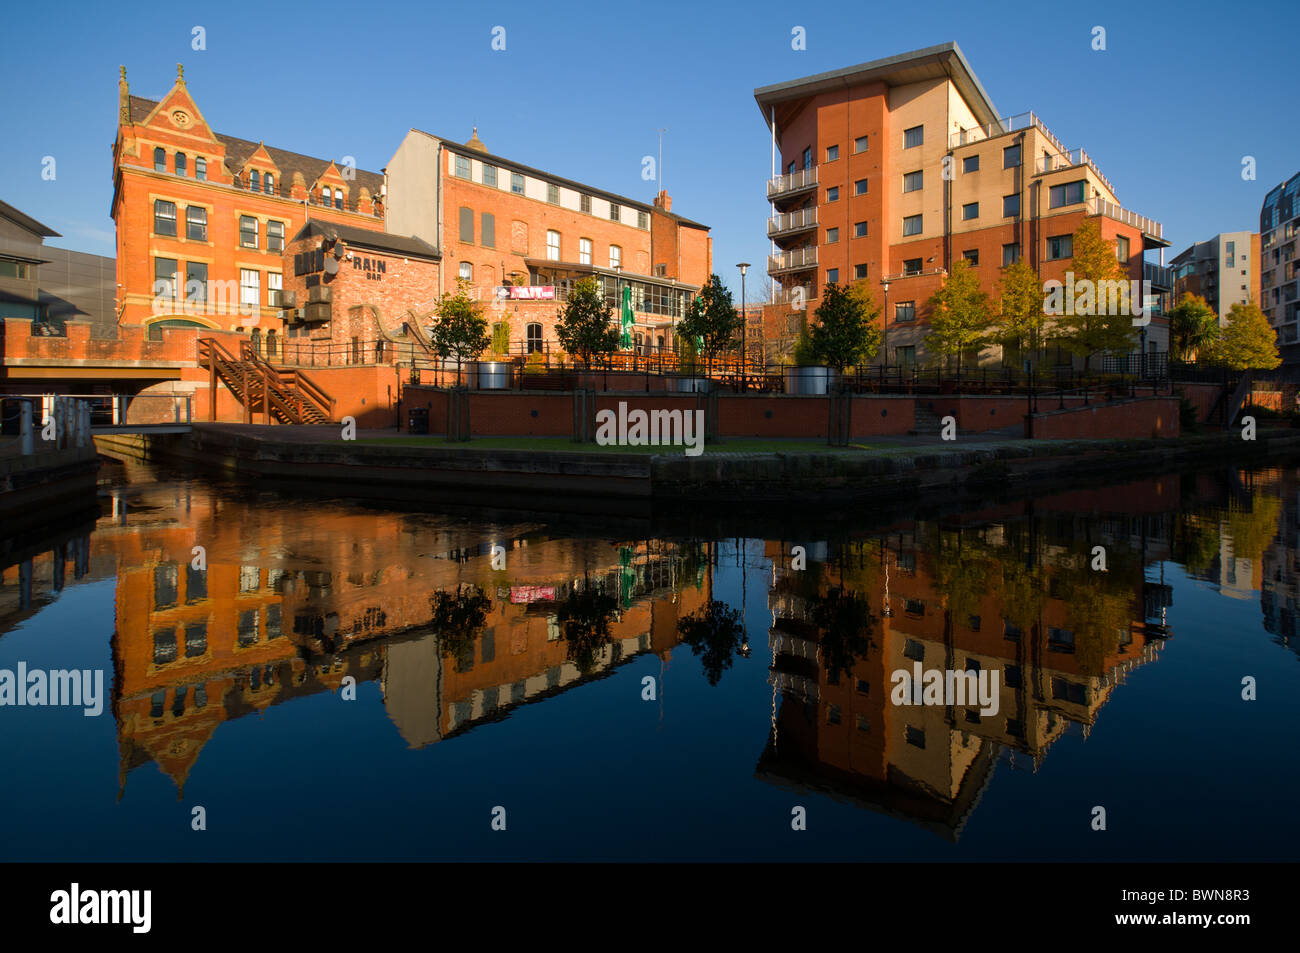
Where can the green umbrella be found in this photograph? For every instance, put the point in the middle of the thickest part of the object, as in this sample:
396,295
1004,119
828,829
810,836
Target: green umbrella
627,317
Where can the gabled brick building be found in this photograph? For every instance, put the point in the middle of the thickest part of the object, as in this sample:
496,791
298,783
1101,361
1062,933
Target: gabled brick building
203,218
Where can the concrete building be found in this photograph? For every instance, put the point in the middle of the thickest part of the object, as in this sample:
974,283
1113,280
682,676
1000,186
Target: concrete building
892,169
1279,219
1224,270
520,237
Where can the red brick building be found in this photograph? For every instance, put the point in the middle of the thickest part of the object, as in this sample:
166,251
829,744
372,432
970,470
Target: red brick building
203,218
521,237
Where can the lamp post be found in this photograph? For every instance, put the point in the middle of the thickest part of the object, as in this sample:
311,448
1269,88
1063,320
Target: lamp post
744,324
884,330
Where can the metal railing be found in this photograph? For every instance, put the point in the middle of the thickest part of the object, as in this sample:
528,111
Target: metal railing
1148,226
1068,160
1001,127
791,182
797,258
792,221
791,295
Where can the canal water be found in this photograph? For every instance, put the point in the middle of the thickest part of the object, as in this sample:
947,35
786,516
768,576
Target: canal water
289,679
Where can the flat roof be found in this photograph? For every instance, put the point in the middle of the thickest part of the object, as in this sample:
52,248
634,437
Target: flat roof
945,61
27,222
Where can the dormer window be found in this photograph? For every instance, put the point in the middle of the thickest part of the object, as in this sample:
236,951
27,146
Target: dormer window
338,198
255,180
268,184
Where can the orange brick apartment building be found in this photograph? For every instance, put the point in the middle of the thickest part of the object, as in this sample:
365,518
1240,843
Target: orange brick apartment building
895,168
521,237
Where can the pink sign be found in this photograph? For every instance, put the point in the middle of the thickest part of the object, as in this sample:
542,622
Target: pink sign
527,292
525,594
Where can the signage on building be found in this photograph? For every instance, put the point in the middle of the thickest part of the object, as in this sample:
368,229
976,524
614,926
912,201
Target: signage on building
373,268
526,594
526,292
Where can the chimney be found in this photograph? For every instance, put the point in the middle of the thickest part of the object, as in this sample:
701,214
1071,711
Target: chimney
664,201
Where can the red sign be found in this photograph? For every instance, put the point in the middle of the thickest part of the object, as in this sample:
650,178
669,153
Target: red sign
526,594
527,292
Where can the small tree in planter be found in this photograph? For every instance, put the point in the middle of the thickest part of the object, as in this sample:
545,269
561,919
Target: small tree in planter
460,330
501,339
712,320
846,333
586,324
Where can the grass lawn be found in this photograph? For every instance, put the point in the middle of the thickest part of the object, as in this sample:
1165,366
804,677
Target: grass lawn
563,444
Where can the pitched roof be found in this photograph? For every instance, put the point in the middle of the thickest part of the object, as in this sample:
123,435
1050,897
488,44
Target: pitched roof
27,222
407,245
238,150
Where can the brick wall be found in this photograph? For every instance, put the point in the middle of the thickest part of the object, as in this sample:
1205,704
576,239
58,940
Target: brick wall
1145,417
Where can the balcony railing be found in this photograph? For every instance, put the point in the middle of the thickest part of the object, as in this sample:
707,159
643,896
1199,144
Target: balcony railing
1160,276
790,222
1068,160
1000,127
1148,226
792,182
792,260
798,293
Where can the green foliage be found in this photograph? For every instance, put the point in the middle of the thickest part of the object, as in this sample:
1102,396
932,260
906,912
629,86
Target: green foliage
1021,297
501,338
583,618
961,315
457,620
1096,326
715,633
1246,341
846,332
586,325
459,330
1193,326
713,320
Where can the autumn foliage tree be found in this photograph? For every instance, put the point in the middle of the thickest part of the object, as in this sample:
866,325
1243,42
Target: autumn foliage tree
960,313
1246,341
1099,320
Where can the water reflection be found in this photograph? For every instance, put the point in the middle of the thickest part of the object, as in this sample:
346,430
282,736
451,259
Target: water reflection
226,608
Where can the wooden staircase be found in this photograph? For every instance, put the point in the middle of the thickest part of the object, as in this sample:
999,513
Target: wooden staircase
279,394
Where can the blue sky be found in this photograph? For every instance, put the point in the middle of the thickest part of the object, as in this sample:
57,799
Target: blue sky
1182,92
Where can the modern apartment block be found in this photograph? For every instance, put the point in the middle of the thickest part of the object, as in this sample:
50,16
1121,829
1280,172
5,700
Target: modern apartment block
1224,270
893,169
202,218
1279,220
520,237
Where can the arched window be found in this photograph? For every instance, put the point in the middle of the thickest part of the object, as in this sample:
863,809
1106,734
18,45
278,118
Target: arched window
269,184
256,340
338,198
467,271
533,335
271,342
255,180
200,168
160,159
182,164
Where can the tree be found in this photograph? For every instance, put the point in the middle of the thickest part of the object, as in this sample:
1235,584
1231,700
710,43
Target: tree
1193,325
712,320
960,313
1099,320
846,332
1246,341
1021,297
460,328
586,323
715,633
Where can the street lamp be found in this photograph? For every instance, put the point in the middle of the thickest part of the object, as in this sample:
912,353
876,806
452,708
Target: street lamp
744,323
884,329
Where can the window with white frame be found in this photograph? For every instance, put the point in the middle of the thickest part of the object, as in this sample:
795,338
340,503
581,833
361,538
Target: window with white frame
615,256
584,251
250,287
274,285
552,245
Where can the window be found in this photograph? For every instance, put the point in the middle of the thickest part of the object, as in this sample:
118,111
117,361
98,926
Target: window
1011,156
1071,193
911,266
552,245
614,212
1010,632
807,157
860,144
247,231
196,282
913,137
1060,246
913,181
905,312
201,169
182,164
970,164
164,278
164,218
912,225
516,183
1229,253
859,229
552,193
859,272
489,175
160,160
268,184
789,170
274,285
832,153
254,180
615,256
1122,247
832,276
15,269
642,220
338,198
905,355
275,236
196,223
833,194
832,236
250,287
972,255
1010,254
466,270
970,210
164,647
584,251
466,225
1011,205
488,230
462,167
860,187
533,338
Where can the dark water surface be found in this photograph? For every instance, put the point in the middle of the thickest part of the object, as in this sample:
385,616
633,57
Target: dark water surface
229,686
